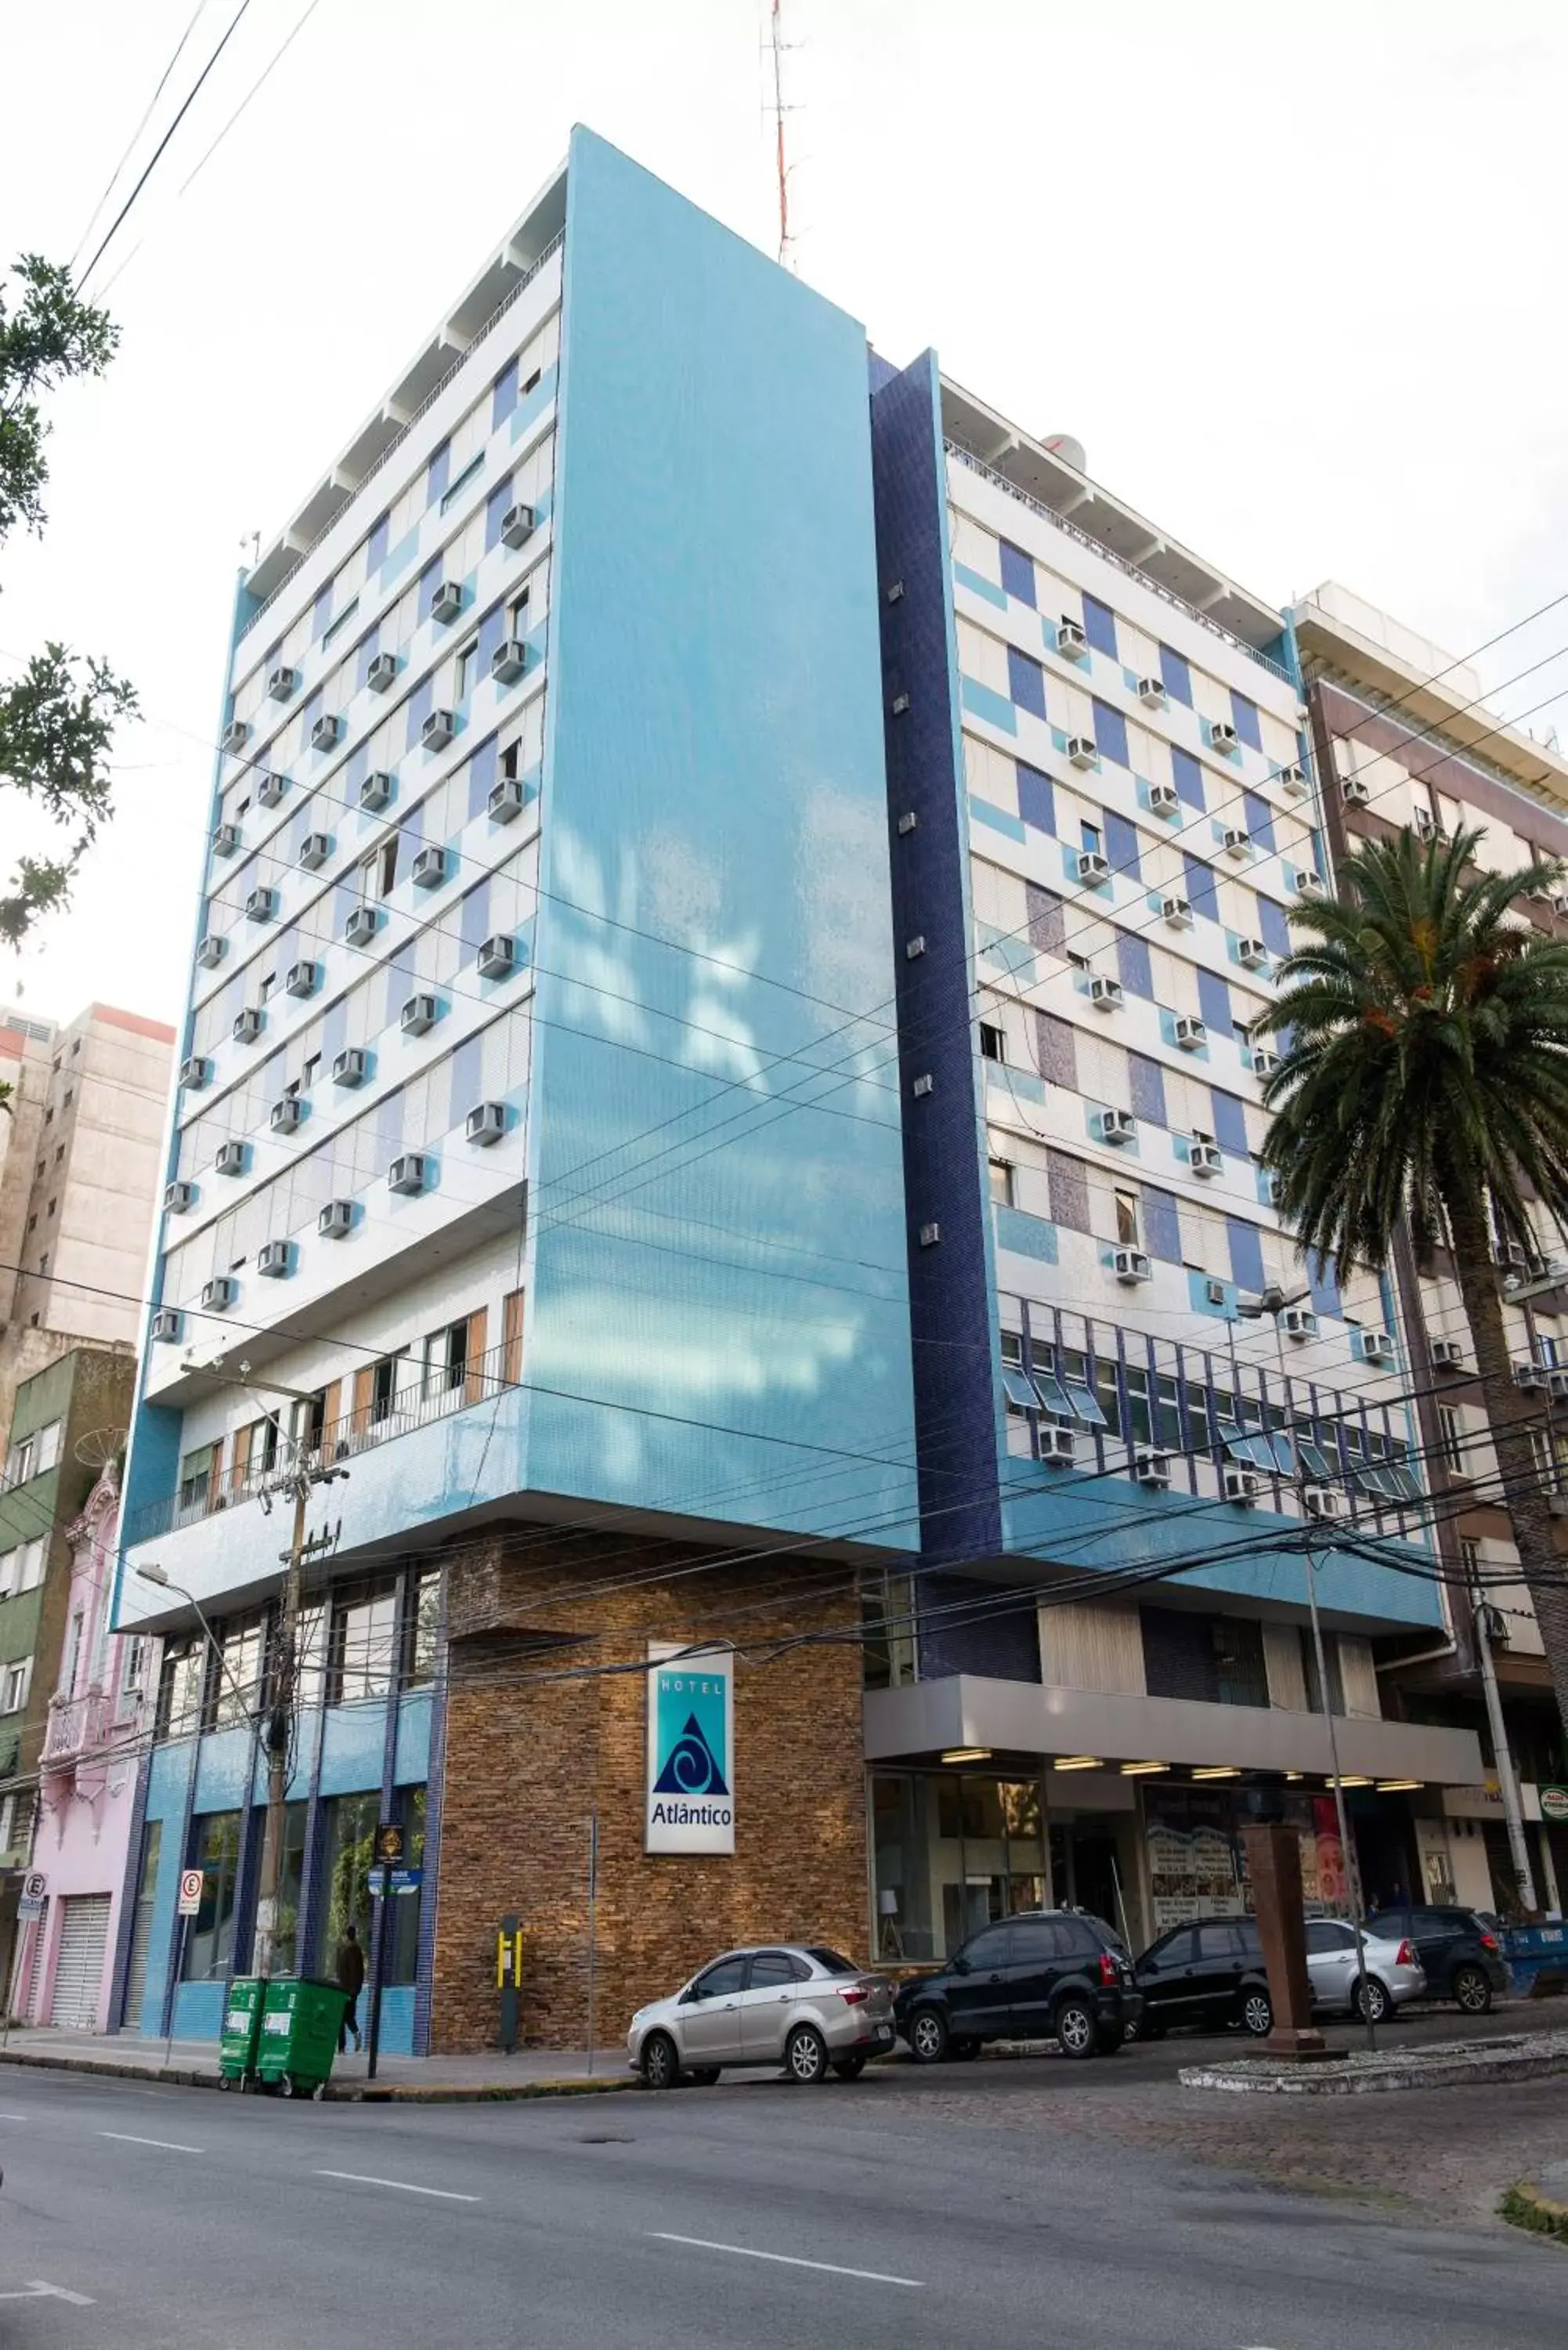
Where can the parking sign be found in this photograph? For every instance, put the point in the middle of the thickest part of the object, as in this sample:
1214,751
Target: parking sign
192,1881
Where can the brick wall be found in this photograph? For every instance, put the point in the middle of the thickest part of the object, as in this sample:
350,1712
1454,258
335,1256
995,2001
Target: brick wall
526,1759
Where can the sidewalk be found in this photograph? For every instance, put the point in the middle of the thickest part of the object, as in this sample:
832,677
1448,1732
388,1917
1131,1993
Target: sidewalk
399,2080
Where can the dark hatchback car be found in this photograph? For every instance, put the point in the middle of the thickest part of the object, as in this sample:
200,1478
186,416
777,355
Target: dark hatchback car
1045,1973
1459,1954
1208,1975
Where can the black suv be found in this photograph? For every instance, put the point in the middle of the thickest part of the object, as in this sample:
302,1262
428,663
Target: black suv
1045,1973
1460,1956
1211,1974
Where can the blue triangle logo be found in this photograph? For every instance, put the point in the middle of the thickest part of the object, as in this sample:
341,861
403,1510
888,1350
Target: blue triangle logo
691,1768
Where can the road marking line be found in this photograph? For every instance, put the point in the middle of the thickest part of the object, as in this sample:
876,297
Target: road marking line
786,2260
403,2186
14,2117
165,2145
39,2291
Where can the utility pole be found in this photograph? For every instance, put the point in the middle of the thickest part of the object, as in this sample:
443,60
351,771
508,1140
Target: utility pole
1508,1785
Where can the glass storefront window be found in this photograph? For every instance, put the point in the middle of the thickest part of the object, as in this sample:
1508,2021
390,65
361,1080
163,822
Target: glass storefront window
403,1954
350,1850
290,1890
951,1851
209,1936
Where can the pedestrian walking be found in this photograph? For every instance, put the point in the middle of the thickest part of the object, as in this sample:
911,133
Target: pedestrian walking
350,1966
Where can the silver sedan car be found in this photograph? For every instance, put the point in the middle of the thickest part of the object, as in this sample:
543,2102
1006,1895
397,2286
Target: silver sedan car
791,2003
1394,1973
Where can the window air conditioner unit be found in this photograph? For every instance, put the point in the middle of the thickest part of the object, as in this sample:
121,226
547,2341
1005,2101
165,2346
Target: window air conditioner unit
1107,993
1309,884
1237,843
1293,780
1151,692
1354,791
275,1260
1241,1485
1056,1445
249,1023
1223,737
1092,866
1071,641
179,1199
1421,820
1557,1382
287,1115
324,733
303,979
419,1013
382,672
1265,1062
219,1294
1272,1189
375,791
271,789
1081,750
1214,1292
1253,953
352,1065
1190,1033
1117,1125
226,840
1152,1468
1164,799
262,905
447,601
508,661
410,1173
498,957
211,950
1448,1355
1325,1501
1205,1159
236,734
231,1159
167,1324
431,866
314,851
1299,1322
1131,1264
1531,1376
505,799
282,683
485,1122
363,923
516,525
1377,1347
196,1074
336,1220
1178,912
438,730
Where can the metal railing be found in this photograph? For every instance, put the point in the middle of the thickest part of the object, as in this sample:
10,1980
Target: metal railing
1108,555
78,1724
396,443
431,1395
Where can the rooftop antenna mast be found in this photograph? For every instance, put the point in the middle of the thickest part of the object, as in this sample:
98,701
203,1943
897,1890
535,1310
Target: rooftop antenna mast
778,110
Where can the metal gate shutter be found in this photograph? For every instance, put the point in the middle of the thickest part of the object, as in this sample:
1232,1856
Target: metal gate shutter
78,1970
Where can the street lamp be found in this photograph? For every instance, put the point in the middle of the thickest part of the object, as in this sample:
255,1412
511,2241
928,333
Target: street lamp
153,1573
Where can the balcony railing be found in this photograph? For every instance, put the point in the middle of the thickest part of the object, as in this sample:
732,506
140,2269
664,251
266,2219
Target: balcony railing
429,1395
76,1724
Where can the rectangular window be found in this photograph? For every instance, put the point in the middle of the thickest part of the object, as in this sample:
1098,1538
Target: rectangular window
402,1959
180,1687
496,506
133,1671
1001,1175
20,1462
1036,800
1176,676
1025,681
321,612
364,1641
46,1443
1126,1218
446,1357
992,1044
210,1937
465,669
450,496
1310,1671
310,1647
518,615
1100,627
236,1690
7,1573
30,1563
424,1627
1017,572
350,1850
1111,734
14,1695
290,1888
1450,1436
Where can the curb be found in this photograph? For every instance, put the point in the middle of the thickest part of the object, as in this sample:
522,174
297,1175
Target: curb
1525,2205
1517,2059
355,2093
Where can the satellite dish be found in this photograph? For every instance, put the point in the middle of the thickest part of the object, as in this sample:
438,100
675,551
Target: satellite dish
100,1446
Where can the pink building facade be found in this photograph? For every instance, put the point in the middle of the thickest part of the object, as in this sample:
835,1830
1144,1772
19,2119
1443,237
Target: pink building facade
100,1718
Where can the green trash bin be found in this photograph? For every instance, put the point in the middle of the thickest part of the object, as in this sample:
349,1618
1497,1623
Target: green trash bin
242,2026
299,2027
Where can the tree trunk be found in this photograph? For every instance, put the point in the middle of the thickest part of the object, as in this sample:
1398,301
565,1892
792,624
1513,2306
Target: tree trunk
1516,1418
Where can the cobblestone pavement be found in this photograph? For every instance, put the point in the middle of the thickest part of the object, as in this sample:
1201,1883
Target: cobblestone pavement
1435,2154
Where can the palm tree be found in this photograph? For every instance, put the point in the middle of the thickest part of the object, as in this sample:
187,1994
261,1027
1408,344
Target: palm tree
1424,1076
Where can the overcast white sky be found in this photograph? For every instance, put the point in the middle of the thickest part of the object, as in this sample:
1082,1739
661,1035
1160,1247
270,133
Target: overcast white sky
1293,275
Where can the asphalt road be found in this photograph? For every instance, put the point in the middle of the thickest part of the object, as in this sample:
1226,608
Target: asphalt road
893,2211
